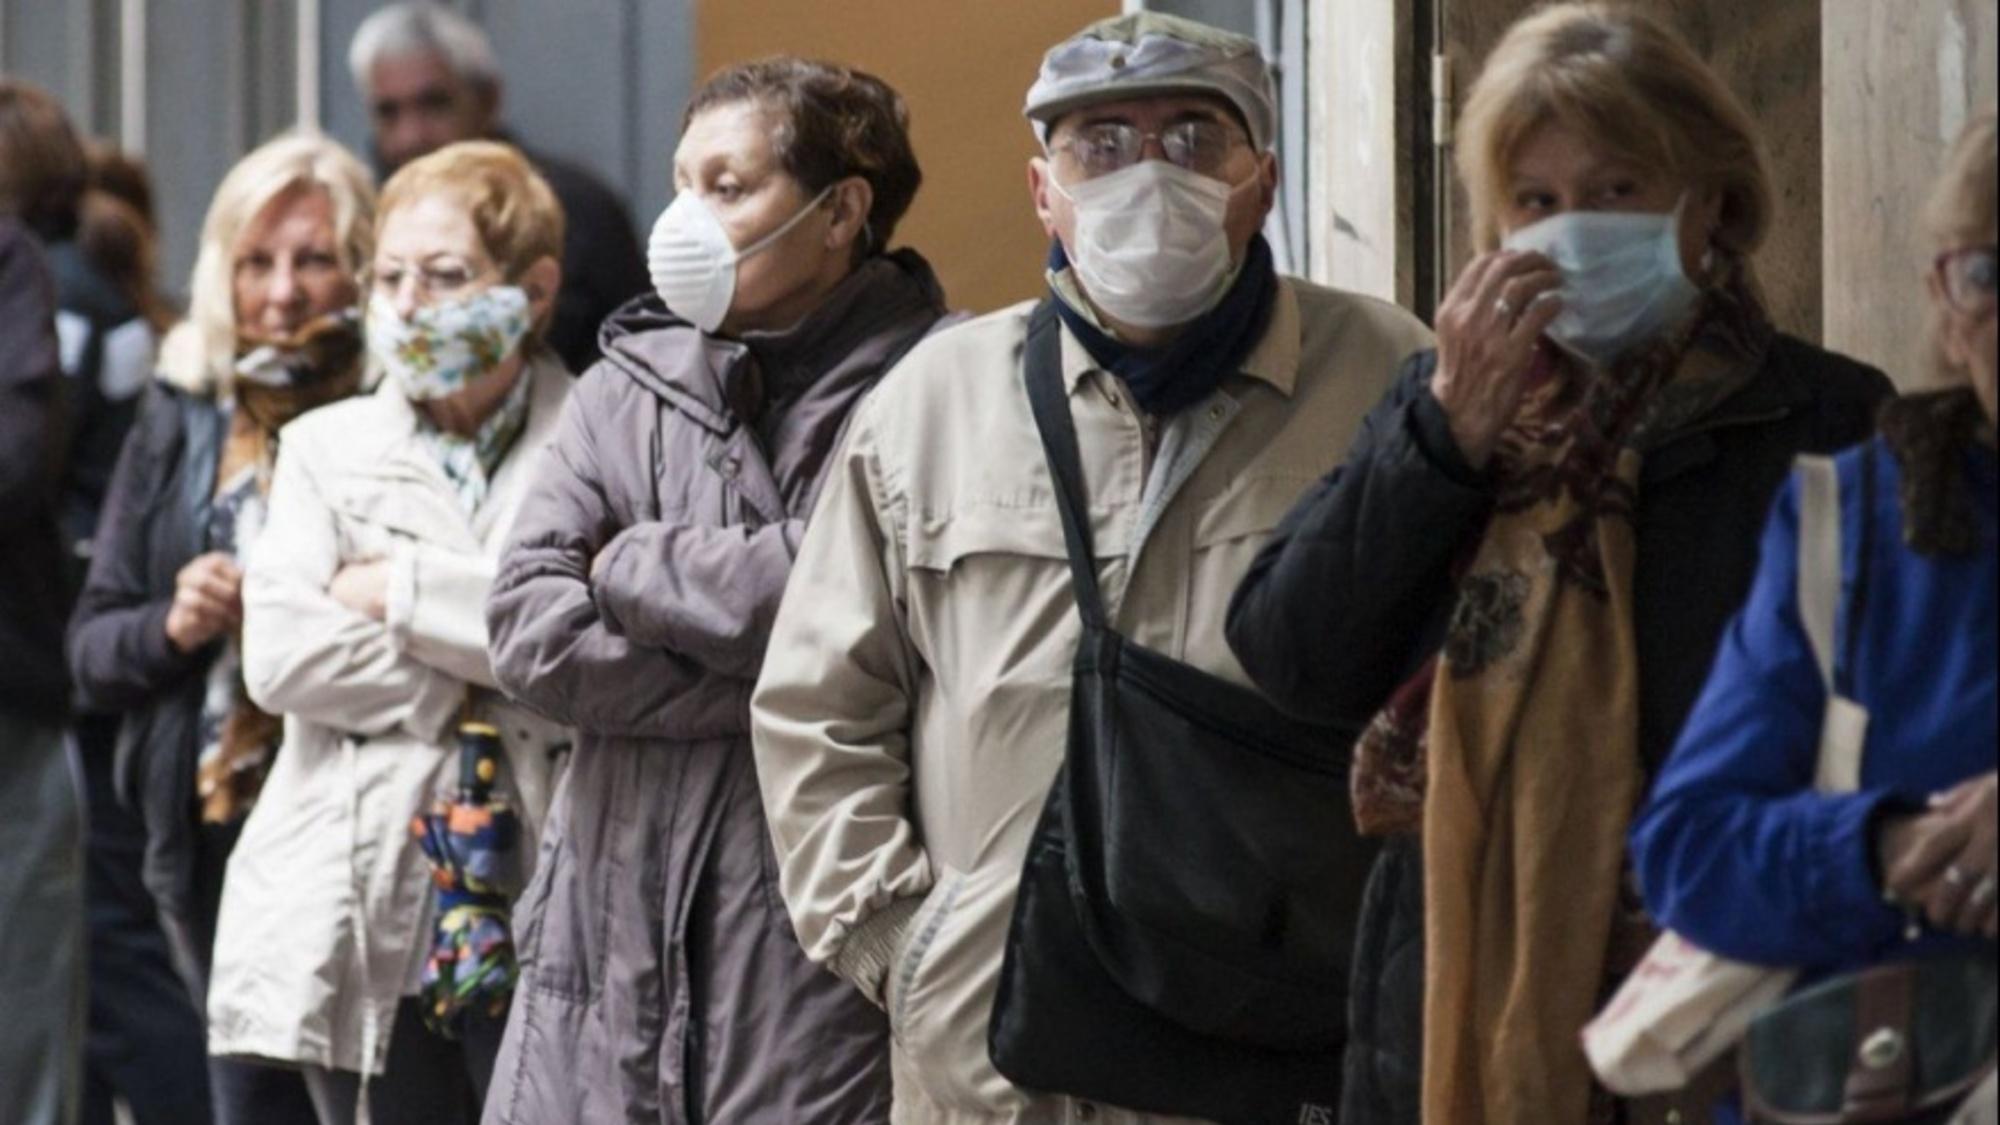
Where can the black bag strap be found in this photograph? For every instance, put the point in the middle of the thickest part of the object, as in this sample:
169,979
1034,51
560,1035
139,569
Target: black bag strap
1050,403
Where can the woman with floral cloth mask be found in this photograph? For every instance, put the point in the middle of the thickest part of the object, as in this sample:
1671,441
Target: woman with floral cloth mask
1517,580
661,979
272,332
364,628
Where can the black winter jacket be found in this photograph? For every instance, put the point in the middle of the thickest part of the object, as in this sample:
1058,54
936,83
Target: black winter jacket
32,683
154,522
1352,594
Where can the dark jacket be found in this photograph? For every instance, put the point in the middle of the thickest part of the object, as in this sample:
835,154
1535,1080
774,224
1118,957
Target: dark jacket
661,981
1352,595
602,264
104,382
32,679
153,524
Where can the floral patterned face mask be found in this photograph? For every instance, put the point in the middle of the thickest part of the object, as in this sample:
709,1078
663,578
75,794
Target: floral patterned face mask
442,347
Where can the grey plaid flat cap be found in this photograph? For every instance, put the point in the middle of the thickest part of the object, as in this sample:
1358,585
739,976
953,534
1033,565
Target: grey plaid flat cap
1146,53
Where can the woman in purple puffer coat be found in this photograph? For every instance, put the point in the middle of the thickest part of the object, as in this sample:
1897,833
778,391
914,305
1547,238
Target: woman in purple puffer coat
661,980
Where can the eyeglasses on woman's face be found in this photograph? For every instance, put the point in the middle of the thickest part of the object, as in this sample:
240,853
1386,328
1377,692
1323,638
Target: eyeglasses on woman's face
427,251
433,281
1968,277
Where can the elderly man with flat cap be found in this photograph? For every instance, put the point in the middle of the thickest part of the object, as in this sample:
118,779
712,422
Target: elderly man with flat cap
913,709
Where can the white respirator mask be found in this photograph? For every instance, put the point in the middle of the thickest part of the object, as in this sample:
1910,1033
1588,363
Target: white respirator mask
693,263
1150,245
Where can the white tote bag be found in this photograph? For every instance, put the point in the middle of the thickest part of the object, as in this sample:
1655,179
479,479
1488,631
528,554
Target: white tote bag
1683,1007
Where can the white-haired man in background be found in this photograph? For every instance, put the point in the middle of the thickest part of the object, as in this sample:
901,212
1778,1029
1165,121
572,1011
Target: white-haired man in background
429,77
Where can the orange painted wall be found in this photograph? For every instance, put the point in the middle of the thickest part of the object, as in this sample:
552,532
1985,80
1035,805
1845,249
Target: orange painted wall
964,67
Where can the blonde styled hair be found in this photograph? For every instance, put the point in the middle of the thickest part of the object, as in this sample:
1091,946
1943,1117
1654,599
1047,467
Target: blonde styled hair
516,214
200,353
1633,87
1962,211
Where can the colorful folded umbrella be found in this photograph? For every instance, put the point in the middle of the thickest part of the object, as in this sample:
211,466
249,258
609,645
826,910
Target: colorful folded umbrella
471,842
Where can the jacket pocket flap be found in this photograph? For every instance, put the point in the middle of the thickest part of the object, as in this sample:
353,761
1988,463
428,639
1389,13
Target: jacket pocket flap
940,542
1249,506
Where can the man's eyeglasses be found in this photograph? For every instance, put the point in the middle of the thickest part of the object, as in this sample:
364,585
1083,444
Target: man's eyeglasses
1107,146
1968,276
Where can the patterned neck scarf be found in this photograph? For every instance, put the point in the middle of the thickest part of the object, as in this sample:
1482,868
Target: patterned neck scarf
1515,752
276,380
469,463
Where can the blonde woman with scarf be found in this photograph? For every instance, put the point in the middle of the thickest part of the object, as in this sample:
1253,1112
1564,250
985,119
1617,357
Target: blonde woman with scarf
1515,583
272,332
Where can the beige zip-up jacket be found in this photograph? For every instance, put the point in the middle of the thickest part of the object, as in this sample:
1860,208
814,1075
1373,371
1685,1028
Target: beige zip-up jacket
914,701
327,903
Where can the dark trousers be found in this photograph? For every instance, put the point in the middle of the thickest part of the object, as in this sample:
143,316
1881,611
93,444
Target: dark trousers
429,1079
145,1039
248,1093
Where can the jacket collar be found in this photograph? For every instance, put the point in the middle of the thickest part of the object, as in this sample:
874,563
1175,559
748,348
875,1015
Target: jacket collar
434,512
1275,359
1778,390
690,369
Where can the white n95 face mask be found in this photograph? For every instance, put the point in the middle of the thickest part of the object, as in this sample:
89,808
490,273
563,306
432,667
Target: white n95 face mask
1149,246
1622,278
693,263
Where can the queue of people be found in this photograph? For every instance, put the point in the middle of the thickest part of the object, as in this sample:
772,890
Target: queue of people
840,660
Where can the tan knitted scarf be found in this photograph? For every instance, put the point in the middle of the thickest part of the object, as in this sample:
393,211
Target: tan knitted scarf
1516,753
319,365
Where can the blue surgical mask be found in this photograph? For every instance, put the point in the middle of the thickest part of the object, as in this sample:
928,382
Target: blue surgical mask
1622,278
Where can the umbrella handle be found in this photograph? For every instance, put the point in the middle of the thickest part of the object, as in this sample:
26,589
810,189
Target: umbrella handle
478,761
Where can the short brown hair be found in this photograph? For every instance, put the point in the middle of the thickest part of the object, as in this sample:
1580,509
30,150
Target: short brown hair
1630,84
836,122
42,171
121,174
517,216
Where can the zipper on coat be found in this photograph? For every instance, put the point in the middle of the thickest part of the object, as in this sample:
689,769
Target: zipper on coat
658,462
691,1071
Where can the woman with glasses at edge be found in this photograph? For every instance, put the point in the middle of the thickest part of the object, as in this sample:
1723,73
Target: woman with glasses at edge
1735,850
364,626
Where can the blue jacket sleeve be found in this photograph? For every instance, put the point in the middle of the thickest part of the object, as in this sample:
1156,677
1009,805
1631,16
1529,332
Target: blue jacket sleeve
1735,850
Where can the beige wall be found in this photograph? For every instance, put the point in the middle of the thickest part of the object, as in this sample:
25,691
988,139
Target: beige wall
1365,143
964,67
1901,75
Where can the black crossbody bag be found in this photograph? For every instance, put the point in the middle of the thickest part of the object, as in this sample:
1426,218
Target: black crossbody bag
1184,930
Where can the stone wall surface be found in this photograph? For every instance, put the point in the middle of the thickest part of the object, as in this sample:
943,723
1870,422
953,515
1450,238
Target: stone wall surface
1901,77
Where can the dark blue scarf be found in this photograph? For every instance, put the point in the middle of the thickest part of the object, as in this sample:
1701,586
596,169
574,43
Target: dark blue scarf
1208,350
